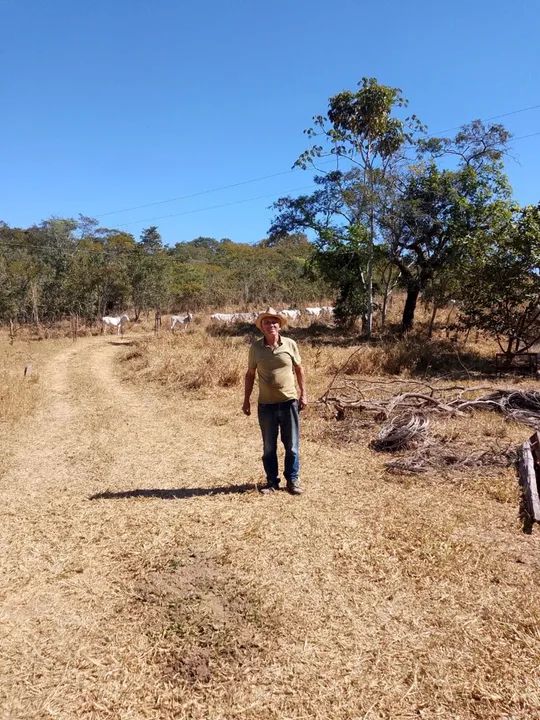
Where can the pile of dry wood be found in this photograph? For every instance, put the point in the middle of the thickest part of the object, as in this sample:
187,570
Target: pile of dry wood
405,407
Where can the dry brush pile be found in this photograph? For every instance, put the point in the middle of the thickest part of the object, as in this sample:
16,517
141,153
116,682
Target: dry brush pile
414,416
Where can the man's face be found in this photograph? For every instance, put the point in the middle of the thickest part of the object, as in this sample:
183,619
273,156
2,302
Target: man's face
270,326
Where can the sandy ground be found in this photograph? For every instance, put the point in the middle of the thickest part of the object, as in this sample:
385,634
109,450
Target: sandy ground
106,482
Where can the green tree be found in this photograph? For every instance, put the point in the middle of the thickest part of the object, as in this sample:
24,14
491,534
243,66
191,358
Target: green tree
504,297
440,216
151,241
360,128
150,273
113,290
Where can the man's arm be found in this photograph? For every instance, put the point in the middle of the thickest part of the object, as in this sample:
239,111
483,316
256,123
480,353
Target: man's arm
301,380
248,387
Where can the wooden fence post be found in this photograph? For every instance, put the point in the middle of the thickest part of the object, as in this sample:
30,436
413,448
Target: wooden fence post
529,475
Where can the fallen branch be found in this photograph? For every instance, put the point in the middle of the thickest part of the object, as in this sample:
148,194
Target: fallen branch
436,456
520,405
401,432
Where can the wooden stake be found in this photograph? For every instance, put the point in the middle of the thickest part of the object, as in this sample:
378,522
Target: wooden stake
529,472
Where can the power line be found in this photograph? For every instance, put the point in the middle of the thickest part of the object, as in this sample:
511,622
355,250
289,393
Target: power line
216,207
246,182
197,194
118,251
493,117
522,137
512,112
283,172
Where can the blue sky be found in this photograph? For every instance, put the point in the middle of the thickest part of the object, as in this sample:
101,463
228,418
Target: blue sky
111,106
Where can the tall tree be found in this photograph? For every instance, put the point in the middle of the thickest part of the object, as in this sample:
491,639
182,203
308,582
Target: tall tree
504,298
360,128
150,277
151,240
439,216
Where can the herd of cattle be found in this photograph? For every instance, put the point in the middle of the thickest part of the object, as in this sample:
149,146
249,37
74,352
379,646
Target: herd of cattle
311,313
290,314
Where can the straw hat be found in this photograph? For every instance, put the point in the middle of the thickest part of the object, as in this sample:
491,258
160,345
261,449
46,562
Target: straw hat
270,312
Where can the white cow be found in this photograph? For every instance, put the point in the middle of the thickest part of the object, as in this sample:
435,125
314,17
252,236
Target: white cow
114,322
244,317
327,310
181,320
291,314
222,317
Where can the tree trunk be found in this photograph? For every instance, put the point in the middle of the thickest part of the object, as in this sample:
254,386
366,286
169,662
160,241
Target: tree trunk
388,285
413,291
383,311
432,319
35,304
369,277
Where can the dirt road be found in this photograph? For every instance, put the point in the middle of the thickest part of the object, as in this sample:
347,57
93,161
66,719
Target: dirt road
84,518
144,577
68,557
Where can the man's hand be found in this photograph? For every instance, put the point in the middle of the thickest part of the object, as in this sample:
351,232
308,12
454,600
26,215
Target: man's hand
248,387
300,379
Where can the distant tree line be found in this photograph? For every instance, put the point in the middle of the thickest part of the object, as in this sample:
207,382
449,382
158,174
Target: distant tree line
66,266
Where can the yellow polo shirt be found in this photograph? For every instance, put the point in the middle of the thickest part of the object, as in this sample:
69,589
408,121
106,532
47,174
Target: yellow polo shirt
275,369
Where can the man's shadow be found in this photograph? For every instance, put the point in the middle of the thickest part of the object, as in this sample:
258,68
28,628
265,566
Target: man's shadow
173,493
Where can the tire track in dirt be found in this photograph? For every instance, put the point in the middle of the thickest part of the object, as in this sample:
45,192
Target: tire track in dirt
68,559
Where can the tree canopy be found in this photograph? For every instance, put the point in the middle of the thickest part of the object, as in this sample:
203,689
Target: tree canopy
65,266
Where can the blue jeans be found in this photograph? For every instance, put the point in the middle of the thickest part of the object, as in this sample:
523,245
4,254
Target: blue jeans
281,416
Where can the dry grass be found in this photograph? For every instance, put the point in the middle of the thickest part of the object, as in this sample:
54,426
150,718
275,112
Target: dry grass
409,611
188,361
170,589
415,355
18,392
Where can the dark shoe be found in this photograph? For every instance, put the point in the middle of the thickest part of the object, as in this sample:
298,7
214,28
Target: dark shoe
294,489
269,489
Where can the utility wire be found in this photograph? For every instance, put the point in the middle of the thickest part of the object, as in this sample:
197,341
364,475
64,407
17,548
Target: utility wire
238,202
493,117
284,172
216,207
522,137
197,194
235,202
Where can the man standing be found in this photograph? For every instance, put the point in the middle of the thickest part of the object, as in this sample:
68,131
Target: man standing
277,362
